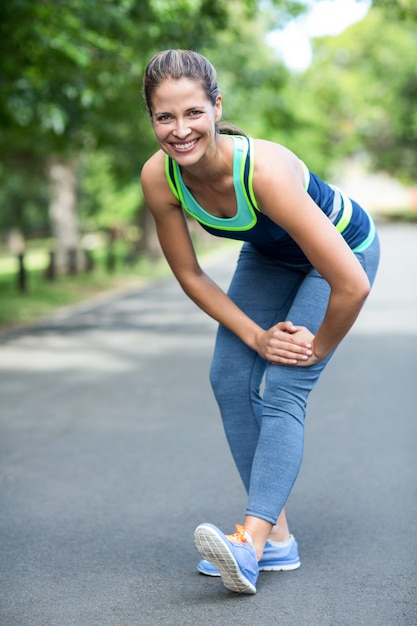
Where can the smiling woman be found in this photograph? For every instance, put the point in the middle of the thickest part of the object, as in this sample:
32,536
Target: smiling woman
183,112
183,116
308,259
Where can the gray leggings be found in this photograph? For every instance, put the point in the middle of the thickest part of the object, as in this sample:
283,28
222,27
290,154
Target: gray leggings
265,430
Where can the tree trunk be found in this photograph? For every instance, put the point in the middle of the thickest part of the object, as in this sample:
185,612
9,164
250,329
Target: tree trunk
62,212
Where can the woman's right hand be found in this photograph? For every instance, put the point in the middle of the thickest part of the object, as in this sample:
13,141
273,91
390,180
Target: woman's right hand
286,344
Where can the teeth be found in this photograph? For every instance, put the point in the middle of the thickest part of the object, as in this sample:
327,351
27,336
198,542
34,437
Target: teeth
185,146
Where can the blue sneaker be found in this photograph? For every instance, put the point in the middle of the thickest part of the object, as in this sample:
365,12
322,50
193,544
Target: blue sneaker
233,555
273,560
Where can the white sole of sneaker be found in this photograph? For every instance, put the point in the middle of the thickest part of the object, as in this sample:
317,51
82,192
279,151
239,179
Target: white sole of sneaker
212,548
279,568
262,568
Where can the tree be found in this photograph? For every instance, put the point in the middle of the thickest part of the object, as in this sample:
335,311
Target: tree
71,84
399,10
71,75
362,92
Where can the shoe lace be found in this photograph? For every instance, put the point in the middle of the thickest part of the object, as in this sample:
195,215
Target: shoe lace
238,536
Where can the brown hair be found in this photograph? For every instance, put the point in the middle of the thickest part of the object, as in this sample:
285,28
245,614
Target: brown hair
178,64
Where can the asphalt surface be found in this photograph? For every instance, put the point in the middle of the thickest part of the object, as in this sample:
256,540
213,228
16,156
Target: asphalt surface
112,451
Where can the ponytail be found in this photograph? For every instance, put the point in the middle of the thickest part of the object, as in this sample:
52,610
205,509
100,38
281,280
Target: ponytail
225,128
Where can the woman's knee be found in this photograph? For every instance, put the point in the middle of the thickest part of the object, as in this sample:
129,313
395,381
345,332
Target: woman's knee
235,371
287,390
218,378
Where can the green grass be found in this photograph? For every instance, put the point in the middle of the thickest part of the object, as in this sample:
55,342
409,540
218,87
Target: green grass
42,297
34,260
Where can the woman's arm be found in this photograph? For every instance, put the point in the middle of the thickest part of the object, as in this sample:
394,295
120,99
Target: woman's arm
278,186
178,249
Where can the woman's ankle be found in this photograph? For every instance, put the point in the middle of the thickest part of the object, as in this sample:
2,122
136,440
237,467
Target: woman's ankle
279,534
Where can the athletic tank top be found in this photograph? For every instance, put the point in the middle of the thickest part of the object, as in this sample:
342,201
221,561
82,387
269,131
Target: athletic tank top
249,224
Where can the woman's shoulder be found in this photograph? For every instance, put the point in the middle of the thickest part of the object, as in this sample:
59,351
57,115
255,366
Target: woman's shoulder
265,148
154,166
274,159
155,186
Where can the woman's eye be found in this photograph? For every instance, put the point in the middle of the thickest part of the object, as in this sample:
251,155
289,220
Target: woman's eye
195,112
163,118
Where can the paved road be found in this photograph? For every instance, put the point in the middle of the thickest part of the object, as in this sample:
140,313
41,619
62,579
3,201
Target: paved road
112,452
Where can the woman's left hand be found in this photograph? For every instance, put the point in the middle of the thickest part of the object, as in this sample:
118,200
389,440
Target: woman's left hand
286,344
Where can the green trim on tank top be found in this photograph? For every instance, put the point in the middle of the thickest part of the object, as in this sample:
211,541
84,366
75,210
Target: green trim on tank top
370,237
245,218
243,166
344,221
341,202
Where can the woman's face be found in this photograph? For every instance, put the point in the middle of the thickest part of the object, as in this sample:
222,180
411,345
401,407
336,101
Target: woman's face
184,118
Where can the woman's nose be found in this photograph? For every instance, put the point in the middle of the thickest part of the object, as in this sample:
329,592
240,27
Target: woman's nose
182,129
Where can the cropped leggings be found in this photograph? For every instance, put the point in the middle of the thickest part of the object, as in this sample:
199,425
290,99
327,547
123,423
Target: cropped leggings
263,406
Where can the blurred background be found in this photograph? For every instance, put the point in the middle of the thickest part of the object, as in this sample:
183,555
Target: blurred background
333,80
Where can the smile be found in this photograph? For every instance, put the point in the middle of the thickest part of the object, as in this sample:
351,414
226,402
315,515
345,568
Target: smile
182,147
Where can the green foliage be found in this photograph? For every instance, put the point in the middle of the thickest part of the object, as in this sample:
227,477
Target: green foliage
42,297
70,69
365,84
71,74
256,86
399,10
261,96
103,203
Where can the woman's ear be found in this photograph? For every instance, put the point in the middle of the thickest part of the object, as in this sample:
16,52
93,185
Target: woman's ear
218,108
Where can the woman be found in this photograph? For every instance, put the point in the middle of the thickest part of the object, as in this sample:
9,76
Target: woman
304,272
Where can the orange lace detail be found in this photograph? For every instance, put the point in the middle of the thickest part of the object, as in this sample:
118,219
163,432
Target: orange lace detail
238,536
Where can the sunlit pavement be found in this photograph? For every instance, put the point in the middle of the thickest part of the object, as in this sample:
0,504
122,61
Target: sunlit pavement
112,451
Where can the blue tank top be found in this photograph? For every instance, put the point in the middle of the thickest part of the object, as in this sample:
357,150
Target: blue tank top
249,224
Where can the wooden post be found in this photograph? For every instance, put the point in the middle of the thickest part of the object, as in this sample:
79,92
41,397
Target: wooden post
16,244
72,261
21,274
50,272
